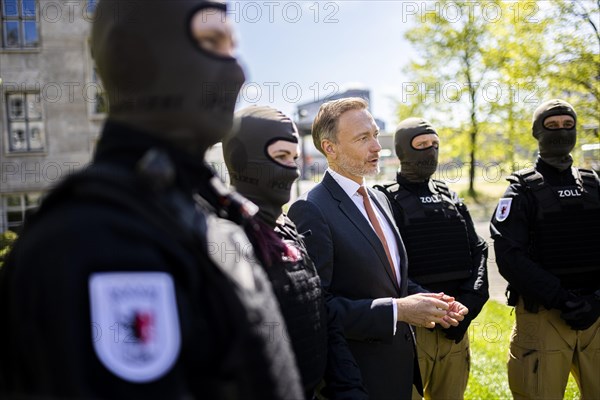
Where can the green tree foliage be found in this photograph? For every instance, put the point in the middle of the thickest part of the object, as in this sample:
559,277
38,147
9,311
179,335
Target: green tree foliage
574,64
448,71
516,69
7,238
483,68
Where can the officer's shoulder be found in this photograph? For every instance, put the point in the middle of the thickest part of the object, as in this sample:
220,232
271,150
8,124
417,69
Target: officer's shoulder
88,220
518,181
588,174
443,186
515,188
287,222
523,175
94,200
387,187
89,236
381,195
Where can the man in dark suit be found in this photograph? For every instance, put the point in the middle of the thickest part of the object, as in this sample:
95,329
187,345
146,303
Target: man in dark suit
351,237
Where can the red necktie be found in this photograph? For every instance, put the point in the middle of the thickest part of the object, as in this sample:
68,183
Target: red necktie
375,222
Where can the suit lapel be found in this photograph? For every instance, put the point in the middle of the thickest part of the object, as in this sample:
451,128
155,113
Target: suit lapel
350,210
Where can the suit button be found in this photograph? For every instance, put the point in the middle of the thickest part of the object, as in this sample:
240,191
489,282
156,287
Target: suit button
407,336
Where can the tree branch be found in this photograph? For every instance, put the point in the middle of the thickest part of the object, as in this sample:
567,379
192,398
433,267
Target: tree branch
592,90
586,15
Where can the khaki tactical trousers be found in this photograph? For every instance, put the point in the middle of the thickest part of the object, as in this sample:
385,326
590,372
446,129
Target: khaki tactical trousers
544,349
444,365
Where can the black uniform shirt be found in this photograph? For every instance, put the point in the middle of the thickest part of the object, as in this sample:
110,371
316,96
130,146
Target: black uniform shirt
512,241
48,338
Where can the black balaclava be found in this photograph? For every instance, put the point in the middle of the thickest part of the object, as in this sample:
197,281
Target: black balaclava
416,165
157,77
253,172
555,144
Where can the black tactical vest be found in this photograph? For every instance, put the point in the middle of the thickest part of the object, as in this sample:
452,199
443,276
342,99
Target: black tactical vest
434,233
565,237
298,289
254,365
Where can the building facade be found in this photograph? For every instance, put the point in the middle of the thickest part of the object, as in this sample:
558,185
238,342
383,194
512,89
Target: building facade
313,162
51,108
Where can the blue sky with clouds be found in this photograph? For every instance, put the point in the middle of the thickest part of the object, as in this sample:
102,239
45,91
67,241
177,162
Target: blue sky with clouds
297,51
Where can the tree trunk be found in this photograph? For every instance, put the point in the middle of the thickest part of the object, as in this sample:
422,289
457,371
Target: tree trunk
474,128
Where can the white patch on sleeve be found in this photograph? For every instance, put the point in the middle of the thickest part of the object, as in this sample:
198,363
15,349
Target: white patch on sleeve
503,209
135,327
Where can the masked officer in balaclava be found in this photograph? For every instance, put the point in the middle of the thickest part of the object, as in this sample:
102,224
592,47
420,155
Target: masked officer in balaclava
135,279
260,157
445,254
256,174
545,232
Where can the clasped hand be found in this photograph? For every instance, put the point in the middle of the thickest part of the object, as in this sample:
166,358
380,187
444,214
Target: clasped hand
427,309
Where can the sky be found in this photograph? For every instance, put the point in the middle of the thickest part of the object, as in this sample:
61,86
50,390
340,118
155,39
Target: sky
295,52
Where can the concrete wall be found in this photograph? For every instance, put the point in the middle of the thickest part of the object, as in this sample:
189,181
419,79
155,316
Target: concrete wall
60,69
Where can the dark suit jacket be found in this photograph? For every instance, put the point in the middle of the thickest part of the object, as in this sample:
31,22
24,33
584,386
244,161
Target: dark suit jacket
358,280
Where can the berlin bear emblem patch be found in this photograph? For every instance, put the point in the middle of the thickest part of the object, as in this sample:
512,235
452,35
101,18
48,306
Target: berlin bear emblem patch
503,209
135,327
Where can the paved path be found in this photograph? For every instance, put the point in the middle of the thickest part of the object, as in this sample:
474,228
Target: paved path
497,282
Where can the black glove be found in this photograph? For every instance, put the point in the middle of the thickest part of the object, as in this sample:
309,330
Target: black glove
457,333
581,312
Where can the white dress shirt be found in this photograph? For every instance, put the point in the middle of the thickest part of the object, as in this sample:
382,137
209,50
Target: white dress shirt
351,189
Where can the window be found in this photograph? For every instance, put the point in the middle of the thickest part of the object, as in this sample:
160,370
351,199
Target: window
25,124
17,207
91,6
19,24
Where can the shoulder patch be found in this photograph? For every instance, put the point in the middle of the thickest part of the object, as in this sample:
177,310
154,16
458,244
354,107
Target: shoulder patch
503,208
135,327
292,253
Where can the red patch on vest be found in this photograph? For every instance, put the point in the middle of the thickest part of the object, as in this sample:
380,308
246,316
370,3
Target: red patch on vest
292,254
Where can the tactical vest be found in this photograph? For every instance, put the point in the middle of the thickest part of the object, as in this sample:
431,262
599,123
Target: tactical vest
235,286
565,236
434,233
298,288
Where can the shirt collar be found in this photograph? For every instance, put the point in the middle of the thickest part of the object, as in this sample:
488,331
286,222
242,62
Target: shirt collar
348,185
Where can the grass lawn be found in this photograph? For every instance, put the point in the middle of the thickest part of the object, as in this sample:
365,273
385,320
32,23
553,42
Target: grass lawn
489,334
